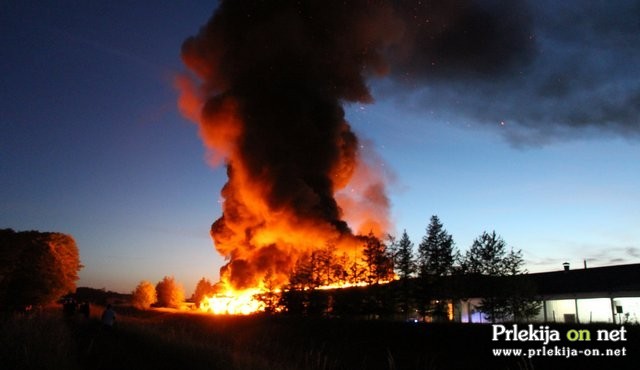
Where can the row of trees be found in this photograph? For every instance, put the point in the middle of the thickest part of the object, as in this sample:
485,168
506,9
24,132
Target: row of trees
438,256
488,256
424,275
325,267
166,293
320,268
424,279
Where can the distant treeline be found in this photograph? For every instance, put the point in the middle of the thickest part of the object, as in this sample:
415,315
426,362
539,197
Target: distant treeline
100,296
429,279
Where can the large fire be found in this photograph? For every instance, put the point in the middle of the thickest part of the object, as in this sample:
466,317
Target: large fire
233,303
268,105
266,86
325,268
248,301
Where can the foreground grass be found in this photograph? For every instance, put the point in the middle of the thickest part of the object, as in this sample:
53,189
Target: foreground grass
162,340
37,341
263,342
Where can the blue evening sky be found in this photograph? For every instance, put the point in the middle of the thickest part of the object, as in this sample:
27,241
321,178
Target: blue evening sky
92,143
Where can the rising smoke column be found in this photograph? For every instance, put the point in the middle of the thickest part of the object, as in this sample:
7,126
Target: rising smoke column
273,76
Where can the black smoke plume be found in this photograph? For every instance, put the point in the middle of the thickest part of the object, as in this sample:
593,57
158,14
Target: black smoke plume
274,76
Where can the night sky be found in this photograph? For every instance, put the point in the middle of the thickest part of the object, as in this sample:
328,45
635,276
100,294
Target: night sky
537,140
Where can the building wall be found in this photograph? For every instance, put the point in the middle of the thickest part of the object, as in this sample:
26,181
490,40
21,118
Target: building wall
469,311
629,310
580,310
594,310
560,310
616,310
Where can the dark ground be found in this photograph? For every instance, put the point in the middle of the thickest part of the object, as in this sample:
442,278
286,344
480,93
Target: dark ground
161,340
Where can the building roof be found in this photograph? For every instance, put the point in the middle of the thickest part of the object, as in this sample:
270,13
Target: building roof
611,280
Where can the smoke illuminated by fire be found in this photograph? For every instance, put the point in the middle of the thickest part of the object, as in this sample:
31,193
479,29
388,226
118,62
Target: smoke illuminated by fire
267,84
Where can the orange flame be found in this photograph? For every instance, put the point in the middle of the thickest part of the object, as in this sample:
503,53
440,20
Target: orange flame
274,117
259,237
233,303
247,302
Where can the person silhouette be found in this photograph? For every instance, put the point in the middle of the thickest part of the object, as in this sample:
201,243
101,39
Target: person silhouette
108,317
85,309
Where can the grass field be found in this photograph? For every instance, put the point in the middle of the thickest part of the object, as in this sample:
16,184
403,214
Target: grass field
164,340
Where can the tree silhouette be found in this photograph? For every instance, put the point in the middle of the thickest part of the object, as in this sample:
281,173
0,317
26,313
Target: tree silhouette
487,256
203,289
299,296
510,298
302,277
378,262
36,267
324,267
435,260
144,295
436,251
270,296
405,267
404,262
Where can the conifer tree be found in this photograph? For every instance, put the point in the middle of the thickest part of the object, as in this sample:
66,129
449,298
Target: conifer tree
435,259
377,260
512,298
405,268
485,255
405,264
436,251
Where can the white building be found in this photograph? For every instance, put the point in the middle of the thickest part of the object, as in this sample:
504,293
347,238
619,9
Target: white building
602,294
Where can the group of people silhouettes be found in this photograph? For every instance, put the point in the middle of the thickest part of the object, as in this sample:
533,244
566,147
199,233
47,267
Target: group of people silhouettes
70,307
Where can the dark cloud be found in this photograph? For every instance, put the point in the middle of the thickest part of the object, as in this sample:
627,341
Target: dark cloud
613,255
633,252
583,79
460,39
